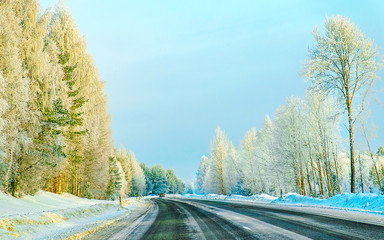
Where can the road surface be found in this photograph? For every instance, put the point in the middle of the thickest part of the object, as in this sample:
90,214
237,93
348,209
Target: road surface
203,219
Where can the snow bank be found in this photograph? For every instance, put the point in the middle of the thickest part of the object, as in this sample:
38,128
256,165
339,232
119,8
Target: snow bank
369,202
254,198
363,202
47,215
42,201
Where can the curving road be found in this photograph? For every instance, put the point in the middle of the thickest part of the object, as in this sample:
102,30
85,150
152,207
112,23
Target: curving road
203,219
304,224
179,220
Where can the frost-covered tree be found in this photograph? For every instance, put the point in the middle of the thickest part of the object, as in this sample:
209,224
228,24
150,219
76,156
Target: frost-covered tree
249,166
44,117
54,125
148,179
289,140
367,130
64,33
231,174
264,153
115,179
159,179
125,161
138,178
343,61
323,137
3,123
16,96
215,177
201,174
172,181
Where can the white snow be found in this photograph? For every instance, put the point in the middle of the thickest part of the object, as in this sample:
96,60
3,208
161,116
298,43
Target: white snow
47,215
258,198
366,202
363,202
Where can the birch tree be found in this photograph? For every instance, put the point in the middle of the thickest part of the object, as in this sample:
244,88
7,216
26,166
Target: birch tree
249,168
201,174
264,153
138,178
16,95
344,62
289,144
218,153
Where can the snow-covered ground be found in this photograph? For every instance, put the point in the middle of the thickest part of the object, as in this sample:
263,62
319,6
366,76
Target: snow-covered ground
258,198
56,216
362,202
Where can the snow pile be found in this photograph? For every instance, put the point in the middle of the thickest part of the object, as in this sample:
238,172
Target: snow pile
47,215
254,198
355,201
41,201
363,202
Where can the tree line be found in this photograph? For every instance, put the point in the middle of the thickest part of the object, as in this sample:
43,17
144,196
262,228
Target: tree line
301,149
54,126
128,178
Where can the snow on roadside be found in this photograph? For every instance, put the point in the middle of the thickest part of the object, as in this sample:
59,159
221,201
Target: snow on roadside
366,202
258,198
363,202
55,216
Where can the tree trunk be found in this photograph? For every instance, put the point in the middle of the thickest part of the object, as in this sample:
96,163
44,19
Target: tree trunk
352,153
302,178
361,175
16,189
320,178
373,160
60,183
7,175
309,182
337,171
314,178
221,172
313,168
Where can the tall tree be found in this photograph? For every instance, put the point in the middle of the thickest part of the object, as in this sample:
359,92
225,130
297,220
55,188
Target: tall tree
138,178
45,115
200,175
218,153
248,165
115,179
16,95
343,61
159,179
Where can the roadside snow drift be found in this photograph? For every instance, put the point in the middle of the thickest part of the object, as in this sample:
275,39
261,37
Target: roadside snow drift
369,202
364,202
254,198
55,216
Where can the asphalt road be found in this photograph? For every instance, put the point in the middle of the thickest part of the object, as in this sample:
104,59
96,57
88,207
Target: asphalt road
206,220
310,225
178,220
228,220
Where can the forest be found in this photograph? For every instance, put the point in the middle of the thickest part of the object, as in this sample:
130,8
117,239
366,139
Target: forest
55,130
54,125
302,149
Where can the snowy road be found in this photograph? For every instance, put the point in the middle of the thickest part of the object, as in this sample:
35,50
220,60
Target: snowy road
203,219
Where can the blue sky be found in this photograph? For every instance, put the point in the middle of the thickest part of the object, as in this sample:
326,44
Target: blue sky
175,70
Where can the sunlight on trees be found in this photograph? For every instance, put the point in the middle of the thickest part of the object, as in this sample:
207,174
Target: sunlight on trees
343,61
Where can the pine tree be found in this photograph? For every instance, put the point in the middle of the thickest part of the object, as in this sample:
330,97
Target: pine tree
66,36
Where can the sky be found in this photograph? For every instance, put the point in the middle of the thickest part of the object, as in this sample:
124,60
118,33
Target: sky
175,70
